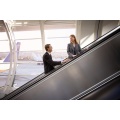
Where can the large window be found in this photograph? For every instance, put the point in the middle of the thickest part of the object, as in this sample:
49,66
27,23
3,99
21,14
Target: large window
57,34
30,45
3,35
4,43
28,35
27,32
30,41
4,46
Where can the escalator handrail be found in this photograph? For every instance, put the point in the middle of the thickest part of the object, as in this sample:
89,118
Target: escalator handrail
97,86
92,45
102,37
36,80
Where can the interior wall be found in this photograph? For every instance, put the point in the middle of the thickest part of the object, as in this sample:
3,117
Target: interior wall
88,32
108,25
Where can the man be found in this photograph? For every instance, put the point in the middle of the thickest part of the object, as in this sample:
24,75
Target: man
47,59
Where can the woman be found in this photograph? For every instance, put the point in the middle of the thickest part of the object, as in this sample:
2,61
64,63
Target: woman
73,48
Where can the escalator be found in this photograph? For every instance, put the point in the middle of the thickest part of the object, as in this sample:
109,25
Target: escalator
109,91
96,67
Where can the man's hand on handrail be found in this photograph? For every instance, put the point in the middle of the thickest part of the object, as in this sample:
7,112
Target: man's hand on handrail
65,60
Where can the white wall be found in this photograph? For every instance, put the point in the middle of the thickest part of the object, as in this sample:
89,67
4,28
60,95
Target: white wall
108,25
88,32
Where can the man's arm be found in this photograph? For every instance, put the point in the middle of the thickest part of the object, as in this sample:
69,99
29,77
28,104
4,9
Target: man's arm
50,61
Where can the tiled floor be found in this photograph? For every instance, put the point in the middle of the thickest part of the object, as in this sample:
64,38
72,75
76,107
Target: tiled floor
24,73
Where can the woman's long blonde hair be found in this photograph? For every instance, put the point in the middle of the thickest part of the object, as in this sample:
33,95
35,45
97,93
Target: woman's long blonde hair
74,38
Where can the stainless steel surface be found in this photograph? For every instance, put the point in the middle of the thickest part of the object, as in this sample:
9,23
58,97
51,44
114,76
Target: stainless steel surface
110,91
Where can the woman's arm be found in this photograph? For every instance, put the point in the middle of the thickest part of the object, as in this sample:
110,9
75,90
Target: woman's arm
79,48
68,51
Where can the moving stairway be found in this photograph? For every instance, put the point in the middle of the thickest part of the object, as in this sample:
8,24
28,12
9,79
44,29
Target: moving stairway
95,74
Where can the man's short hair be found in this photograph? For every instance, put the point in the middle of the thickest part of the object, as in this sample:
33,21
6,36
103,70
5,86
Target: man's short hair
47,46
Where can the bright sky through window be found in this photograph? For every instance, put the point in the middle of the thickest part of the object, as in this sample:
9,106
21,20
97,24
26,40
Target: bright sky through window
31,40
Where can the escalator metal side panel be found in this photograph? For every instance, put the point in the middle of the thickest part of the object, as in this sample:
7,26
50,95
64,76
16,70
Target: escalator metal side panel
79,75
110,91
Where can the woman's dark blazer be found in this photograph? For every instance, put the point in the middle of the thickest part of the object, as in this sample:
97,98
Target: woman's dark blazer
70,50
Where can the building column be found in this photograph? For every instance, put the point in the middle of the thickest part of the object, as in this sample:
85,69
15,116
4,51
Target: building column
119,22
78,30
42,35
100,28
